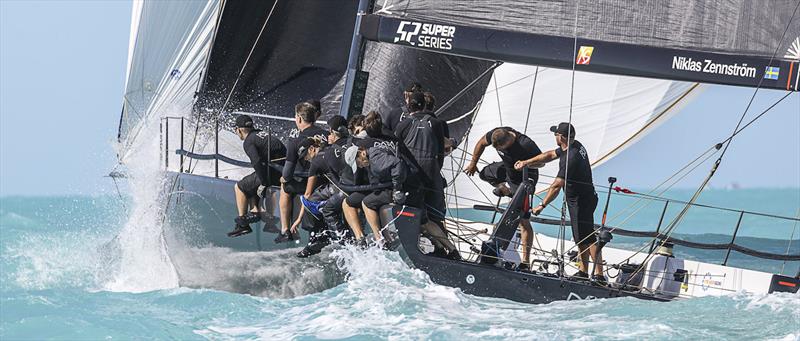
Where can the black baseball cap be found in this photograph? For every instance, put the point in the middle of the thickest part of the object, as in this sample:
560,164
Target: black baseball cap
302,147
244,121
414,87
417,98
564,128
338,124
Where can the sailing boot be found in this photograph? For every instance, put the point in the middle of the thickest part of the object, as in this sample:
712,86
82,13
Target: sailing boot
502,191
242,227
284,237
600,279
316,242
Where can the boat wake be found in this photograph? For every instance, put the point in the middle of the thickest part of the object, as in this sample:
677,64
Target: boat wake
276,274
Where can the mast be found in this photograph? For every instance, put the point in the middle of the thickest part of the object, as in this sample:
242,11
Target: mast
354,63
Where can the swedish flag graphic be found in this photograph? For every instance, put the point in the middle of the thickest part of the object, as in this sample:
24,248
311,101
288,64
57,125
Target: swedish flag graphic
772,72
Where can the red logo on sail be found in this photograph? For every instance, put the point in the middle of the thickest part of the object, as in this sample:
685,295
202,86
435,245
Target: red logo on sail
584,55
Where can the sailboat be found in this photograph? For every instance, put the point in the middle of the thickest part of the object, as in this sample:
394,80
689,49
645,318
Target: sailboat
615,70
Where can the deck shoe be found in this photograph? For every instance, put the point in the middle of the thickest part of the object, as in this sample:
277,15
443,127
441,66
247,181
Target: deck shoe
502,191
600,279
308,251
240,230
524,267
283,237
580,275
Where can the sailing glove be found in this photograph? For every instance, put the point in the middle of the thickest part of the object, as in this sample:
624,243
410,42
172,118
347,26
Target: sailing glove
399,197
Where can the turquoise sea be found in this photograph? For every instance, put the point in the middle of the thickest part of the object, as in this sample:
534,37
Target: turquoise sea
59,280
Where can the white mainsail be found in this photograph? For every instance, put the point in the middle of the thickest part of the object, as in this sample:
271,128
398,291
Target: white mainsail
167,52
609,113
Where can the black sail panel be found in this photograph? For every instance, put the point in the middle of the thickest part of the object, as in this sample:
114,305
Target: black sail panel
301,53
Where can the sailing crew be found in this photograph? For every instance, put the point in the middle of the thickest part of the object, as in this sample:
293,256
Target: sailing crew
259,147
512,146
322,202
294,175
384,167
581,198
425,137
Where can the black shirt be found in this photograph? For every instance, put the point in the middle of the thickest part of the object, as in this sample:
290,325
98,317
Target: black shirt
391,119
579,183
440,128
523,148
293,165
259,147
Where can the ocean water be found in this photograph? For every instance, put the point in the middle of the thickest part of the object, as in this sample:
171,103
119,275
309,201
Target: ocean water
95,268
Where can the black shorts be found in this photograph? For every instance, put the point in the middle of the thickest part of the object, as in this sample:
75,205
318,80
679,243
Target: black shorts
581,216
249,185
295,187
377,199
355,199
498,172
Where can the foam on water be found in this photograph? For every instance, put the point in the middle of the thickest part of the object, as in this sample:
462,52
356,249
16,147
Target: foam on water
143,262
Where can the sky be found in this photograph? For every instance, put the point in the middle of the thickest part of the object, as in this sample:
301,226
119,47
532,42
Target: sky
62,71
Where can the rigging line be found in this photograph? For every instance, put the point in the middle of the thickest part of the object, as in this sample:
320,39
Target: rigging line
789,244
497,97
761,80
530,103
562,226
673,224
728,142
241,71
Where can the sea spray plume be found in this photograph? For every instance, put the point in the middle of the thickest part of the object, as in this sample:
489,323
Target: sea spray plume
142,262
276,274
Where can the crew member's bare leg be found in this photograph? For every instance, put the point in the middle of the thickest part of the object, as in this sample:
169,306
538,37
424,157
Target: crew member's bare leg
583,254
526,234
351,216
285,203
254,205
597,256
374,221
241,200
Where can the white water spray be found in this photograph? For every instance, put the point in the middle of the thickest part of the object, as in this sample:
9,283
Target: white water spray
142,259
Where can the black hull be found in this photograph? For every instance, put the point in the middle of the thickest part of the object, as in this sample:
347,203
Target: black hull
489,280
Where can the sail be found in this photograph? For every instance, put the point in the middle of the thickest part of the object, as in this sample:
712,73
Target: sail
270,55
609,113
724,42
168,45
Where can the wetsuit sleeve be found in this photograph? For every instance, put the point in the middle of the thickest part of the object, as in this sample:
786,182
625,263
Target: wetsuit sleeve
399,173
400,131
291,161
256,162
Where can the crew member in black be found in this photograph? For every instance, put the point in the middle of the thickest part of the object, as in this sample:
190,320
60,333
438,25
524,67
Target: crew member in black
294,175
259,147
384,167
395,116
323,198
512,146
575,171
424,136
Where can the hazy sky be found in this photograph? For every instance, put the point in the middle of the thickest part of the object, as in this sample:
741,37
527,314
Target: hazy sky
62,69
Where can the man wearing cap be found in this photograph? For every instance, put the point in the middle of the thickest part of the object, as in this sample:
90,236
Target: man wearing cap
295,171
396,115
322,201
259,147
512,146
575,176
